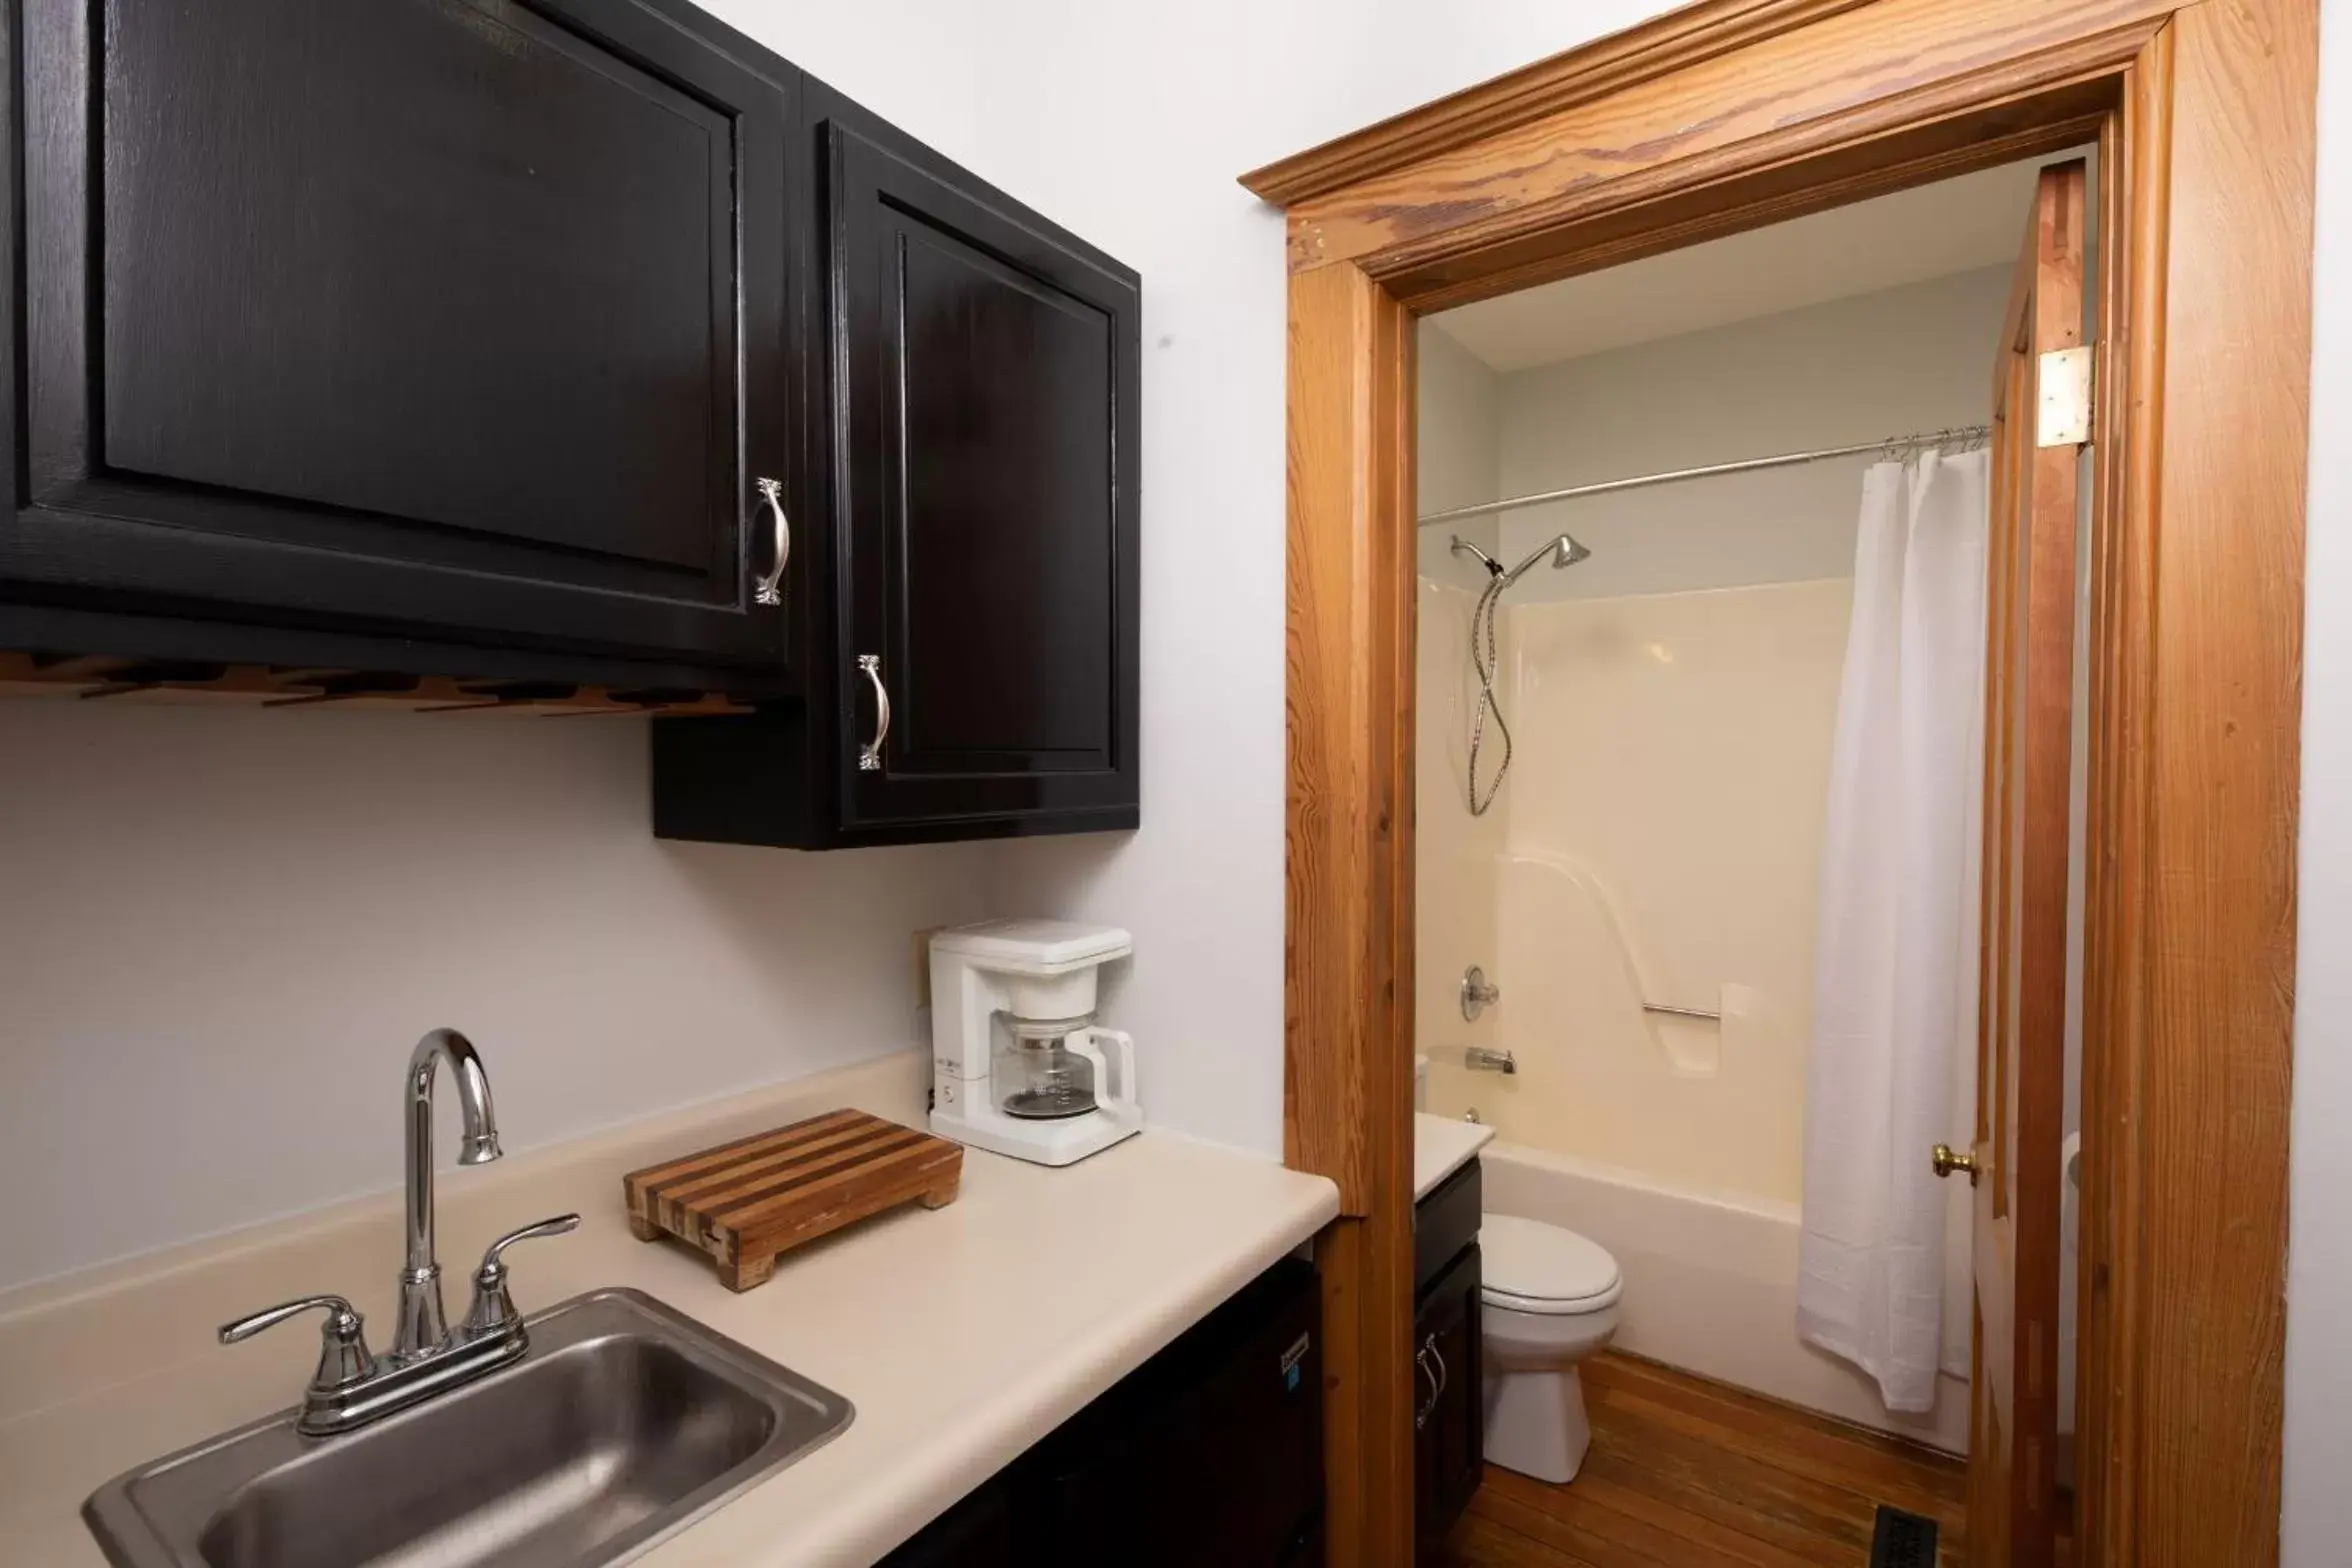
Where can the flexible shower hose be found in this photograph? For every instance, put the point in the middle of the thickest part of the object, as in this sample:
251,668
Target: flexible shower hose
1483,659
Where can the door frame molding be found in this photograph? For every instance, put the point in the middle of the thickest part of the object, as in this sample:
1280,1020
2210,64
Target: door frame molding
1721,117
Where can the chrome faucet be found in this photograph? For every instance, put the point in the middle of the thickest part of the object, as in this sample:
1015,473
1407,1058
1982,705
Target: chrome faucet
352,1387
424,1328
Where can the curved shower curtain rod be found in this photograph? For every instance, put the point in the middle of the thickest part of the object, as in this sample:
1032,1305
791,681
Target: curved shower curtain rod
1892,446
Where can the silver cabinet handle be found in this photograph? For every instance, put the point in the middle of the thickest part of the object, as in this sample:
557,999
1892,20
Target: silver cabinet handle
770,589
870,754
1421,1362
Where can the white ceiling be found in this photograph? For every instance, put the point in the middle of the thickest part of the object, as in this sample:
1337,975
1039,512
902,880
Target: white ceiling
1930,231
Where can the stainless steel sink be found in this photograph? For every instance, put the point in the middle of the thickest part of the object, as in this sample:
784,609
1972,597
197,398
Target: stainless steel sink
622,1423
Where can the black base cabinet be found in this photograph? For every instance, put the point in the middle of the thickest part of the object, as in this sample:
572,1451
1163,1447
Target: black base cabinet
571,343
1449,1439
1449,1371
1211,1453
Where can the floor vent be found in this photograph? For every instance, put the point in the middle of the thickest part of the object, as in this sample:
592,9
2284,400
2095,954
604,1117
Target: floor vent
1902,1540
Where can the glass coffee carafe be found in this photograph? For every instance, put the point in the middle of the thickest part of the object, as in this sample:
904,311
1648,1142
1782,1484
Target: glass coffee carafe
1043,1068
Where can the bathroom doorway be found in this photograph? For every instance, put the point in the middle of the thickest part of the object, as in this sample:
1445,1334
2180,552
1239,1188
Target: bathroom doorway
1700,716
1721,119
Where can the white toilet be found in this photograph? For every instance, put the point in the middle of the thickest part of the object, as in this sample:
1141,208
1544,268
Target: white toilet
1550,1301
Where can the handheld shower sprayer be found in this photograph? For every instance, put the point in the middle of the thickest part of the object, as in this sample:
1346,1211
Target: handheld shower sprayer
1564,551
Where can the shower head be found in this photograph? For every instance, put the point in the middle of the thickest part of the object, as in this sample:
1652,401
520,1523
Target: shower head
1564,551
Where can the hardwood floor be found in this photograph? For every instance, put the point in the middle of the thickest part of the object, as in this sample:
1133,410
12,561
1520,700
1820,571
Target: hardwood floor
1685,1473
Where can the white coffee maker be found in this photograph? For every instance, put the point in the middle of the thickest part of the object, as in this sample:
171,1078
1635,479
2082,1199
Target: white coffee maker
1018,1066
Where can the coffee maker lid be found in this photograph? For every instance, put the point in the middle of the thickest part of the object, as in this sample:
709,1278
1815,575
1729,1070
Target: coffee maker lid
1028,943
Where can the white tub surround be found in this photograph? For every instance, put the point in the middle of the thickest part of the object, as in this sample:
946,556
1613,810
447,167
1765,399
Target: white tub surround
1442,1146
962,1335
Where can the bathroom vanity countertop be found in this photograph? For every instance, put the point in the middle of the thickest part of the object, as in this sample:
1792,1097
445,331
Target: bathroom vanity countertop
962,1335
1442,1146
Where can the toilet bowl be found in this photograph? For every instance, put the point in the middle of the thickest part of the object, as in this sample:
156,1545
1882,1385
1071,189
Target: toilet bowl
1548,1300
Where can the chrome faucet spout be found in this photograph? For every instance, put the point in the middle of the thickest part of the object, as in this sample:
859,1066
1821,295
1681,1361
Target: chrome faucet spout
424,1327
427,1358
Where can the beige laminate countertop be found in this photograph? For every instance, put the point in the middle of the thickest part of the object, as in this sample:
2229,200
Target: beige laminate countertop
1442,1146
962,1335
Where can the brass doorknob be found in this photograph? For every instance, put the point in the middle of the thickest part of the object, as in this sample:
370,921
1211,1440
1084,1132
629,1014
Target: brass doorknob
1946,1160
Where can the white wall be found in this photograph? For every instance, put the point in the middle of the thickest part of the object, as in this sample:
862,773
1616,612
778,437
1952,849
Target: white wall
1458,453
219,932
222,931
2318,1506
1863,368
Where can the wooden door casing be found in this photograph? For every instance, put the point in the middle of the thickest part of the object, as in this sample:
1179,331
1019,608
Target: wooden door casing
1719,117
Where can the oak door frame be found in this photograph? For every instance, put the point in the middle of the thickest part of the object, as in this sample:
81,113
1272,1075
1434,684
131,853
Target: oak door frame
1721,117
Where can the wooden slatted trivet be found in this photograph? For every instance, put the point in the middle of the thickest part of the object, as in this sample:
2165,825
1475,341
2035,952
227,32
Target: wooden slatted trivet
745,1202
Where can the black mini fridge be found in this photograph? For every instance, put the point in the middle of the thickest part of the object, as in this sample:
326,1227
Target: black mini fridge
1211,1453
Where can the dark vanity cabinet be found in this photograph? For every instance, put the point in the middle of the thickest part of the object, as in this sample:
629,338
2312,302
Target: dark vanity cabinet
1449,1451
576,344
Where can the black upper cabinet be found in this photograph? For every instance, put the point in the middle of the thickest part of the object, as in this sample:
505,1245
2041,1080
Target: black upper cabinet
573,342
461,319
978,471
984,481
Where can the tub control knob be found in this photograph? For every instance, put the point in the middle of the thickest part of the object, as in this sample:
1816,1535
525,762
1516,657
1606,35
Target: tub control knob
1478,993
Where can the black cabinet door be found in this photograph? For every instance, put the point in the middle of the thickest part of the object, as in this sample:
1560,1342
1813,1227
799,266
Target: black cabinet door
983,471
466,319
1210,1454
982,1531
1449,1438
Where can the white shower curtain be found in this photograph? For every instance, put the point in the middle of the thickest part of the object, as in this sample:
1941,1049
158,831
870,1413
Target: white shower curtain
1894,1009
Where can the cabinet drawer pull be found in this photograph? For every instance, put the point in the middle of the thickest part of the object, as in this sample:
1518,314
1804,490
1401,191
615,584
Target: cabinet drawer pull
770,588
870,754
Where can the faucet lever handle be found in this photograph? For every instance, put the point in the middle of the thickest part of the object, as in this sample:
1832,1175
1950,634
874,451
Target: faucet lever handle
531,1232
493,1309
343,1352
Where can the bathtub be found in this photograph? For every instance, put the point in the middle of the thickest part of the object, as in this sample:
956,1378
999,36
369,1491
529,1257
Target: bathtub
1710,1285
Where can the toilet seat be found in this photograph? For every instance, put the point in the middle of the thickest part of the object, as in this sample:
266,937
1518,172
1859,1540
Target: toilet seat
1528,1266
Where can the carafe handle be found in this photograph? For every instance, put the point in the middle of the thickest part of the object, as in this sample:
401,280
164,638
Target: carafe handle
1122,1103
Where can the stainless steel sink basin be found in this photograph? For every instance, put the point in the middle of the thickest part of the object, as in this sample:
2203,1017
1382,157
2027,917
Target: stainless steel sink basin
622,1423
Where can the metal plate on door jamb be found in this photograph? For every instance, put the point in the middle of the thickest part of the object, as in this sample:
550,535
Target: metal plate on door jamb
2064,375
